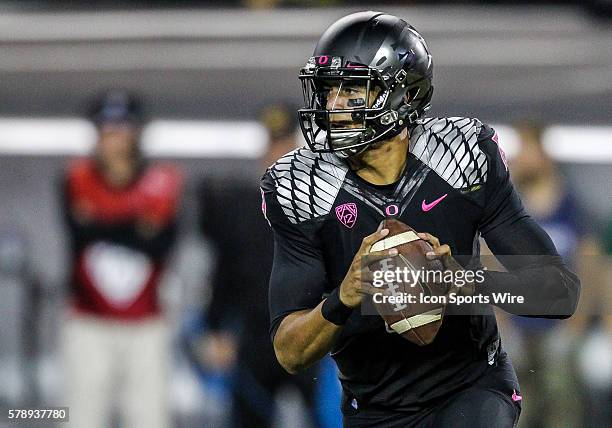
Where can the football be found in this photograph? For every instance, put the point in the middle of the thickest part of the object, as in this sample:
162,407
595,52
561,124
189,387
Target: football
410,273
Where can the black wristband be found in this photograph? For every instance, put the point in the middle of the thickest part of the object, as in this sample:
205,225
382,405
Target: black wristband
333,310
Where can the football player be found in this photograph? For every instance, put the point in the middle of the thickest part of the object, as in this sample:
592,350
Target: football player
372,155
121,213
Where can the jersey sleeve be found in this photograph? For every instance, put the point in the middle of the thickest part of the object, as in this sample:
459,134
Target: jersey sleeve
505,224
502,203
298,276
535,269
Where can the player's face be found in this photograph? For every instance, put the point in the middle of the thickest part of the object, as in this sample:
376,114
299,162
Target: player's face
348,95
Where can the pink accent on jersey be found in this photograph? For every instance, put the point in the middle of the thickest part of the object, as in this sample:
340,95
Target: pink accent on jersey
502,154
347,214
263,204
426,207
391,210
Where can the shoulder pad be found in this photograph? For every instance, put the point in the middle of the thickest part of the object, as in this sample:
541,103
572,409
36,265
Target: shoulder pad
449,146
307,183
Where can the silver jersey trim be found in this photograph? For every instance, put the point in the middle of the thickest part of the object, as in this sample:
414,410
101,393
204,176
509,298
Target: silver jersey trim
307,183
449,147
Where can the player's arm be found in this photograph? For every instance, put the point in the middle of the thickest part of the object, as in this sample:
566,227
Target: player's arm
304,337
535,269
304,325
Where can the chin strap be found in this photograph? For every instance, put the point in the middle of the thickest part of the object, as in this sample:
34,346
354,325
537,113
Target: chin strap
401,119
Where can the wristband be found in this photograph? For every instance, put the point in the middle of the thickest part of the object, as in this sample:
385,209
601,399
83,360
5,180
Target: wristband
333,310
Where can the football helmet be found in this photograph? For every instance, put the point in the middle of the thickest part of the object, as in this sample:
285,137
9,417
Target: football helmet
385,57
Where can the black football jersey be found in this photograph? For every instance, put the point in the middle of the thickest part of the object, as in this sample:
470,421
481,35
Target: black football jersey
456,186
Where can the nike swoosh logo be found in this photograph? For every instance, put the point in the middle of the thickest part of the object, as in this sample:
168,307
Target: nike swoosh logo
426,207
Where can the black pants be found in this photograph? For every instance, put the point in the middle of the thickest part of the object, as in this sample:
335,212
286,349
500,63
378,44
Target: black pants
492,401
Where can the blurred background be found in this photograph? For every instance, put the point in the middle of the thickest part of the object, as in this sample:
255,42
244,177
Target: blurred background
217,85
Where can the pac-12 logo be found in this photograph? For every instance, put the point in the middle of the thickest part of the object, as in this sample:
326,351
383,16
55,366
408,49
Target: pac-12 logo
347,214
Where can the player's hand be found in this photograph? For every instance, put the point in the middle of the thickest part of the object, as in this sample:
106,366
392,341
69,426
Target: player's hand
358,281
443,253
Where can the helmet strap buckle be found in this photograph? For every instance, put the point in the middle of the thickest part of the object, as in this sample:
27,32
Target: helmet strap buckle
401,76
389,117
413,116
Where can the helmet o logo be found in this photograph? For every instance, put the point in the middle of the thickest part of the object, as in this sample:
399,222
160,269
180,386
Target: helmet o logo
323,60
392,210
